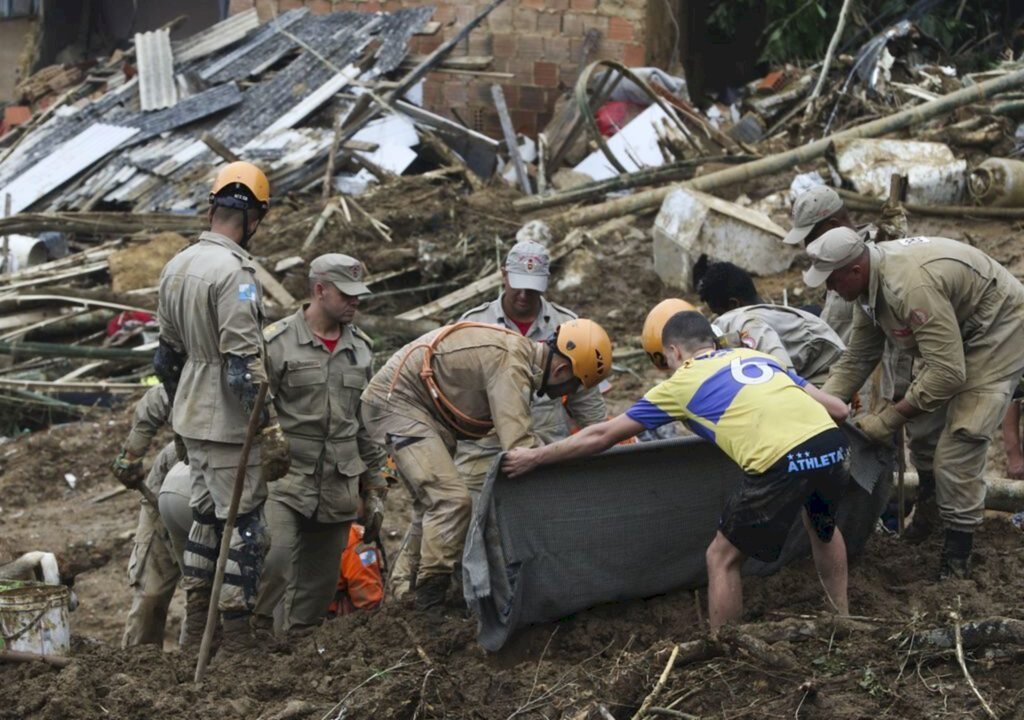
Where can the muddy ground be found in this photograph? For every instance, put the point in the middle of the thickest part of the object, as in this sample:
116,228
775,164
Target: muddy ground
394,664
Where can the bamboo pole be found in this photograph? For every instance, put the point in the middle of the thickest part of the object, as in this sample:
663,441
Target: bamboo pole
39,349
643,202
101,223
857,201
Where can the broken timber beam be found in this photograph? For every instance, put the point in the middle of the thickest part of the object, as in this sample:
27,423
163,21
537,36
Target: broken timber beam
511,141
857,201
39,349
491,282
650,199
102,223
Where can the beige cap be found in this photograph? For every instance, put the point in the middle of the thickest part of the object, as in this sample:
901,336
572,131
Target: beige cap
344,271
817,204
528,265
835,249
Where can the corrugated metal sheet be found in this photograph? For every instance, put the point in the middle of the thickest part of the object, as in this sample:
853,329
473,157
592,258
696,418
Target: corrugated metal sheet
214,38
189,110
64,162
156,70
267,42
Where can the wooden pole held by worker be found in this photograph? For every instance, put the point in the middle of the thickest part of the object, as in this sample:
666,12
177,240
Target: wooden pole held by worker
229,525
897,194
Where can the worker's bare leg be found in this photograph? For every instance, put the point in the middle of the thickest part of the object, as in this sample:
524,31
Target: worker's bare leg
725,586
830,562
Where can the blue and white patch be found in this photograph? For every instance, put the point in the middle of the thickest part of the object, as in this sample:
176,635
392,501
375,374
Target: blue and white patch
247,292
368,557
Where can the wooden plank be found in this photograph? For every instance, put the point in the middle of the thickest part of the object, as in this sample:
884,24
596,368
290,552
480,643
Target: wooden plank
71,300
57,277
96,386
744,215
273,288
511,141
430,28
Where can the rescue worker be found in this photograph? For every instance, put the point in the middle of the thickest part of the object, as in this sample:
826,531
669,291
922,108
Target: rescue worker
783,437
520,307
799,340
319,362
465,381
211,354
154,566
962,314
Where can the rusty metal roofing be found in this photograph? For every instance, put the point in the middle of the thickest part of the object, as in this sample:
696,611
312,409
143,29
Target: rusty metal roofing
156,70
216,37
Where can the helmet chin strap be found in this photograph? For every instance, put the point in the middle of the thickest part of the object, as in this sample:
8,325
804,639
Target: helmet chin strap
541,391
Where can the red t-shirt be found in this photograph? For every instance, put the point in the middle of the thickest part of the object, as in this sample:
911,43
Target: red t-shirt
524,327
329,344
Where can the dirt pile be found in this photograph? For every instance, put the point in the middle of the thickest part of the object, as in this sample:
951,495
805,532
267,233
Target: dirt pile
396,664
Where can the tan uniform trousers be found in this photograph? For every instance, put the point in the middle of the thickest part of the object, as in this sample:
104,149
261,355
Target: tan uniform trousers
213,467
953,442
302,566
155,565
472,464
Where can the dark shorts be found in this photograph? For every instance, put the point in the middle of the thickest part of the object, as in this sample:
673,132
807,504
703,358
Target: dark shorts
813,475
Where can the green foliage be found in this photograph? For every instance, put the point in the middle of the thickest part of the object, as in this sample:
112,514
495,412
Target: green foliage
800,30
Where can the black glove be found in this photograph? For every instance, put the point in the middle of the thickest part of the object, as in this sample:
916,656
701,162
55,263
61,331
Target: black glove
373,513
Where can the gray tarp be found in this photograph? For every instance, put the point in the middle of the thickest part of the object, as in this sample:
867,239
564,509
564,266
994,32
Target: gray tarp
631,523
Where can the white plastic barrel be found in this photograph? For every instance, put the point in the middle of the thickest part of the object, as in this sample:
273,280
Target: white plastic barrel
34,617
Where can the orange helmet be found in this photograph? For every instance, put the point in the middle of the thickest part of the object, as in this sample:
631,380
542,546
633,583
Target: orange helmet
588,348
655,323
241,185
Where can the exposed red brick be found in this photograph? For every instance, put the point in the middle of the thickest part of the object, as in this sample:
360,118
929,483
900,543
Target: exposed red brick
611,50
524,19
372,7
583,4
549,23
521,69
532,98
456,92
500,19
432,94
491,125
525,122
558,50
557,5
530,47
464,13
535,4
545,74
479,43
620,29
444,14
572,25
16,115
320,7
425,44
634,55
283,5
504,45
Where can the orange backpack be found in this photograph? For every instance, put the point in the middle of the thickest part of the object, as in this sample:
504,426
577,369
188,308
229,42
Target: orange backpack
360,582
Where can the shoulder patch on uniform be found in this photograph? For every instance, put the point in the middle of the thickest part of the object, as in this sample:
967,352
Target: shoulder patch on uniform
275,329
472,311
362,336
564,310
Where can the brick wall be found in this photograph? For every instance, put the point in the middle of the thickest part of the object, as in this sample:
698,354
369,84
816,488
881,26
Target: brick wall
537,41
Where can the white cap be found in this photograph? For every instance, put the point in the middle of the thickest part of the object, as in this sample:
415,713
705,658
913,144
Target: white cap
835,249
528,265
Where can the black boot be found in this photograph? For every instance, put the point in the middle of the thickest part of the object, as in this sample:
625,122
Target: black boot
956,555
431,591
239,639
926,510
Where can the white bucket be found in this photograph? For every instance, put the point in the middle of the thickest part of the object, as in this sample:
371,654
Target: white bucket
34,617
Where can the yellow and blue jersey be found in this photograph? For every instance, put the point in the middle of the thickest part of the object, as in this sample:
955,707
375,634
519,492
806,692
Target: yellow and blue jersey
742,400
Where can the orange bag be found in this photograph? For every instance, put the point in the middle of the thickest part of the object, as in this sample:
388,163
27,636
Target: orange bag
360,582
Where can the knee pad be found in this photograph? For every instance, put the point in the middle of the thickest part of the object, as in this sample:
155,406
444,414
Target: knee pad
250,541
201,548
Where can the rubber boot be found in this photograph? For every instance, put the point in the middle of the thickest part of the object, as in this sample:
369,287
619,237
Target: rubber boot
956,555
926,510
431,591
197,605
239,639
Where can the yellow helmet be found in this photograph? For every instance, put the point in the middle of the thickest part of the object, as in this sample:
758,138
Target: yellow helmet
241,185
588,348
655,323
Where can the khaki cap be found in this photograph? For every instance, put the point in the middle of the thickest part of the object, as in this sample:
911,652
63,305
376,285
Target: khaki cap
835,249
529,266
344,271
817,204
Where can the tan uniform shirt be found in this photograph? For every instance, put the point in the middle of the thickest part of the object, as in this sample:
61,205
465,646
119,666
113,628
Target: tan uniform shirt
798,339
152,412
316,394
488,374
211,305
947,303
550,420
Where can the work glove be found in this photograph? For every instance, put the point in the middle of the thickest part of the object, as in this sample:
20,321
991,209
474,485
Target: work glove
373,512
179,449
275,455
128,471
881,427
892,222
